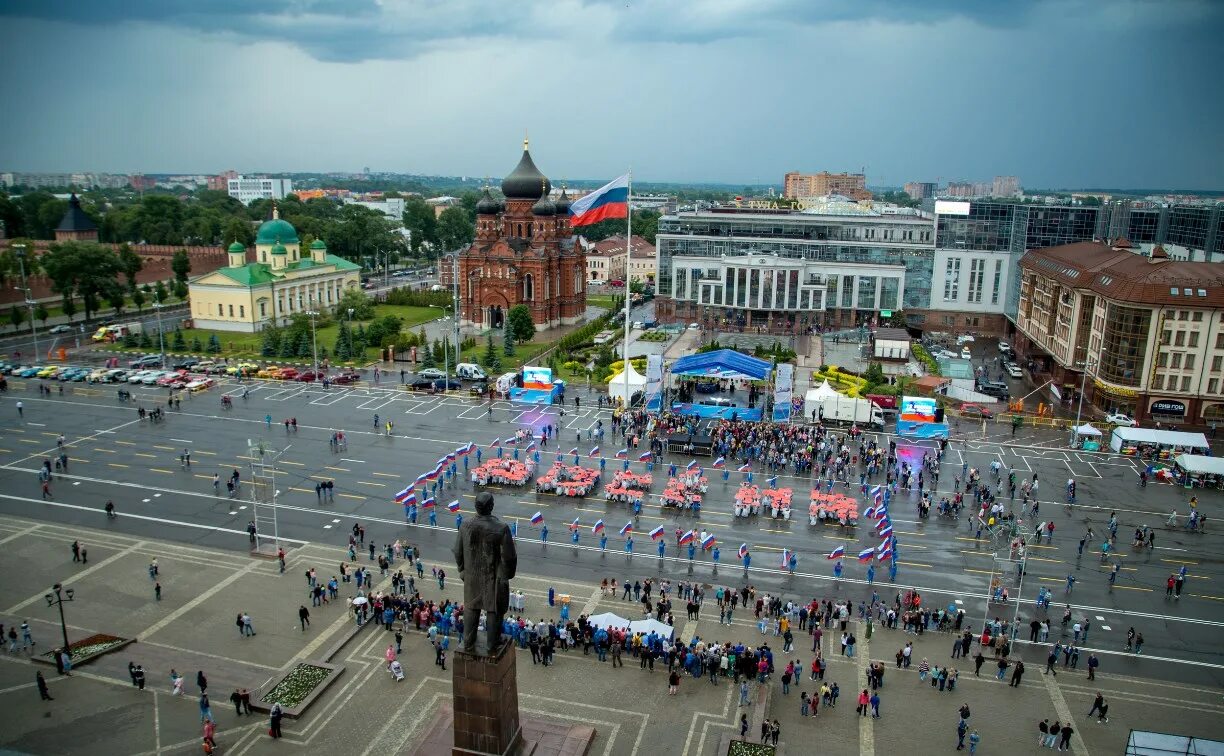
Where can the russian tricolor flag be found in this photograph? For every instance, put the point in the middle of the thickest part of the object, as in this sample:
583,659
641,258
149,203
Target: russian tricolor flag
786,557
707,543
496,443
627,529
451,456
746,467
537,518
429,503
422,479
410,499
622,454
720,462
837,553
574,525
866,555
657,533
743,550
688,537
594,452
869,512
573,451
773,481
598,527
532,446
692,463
402,496
453,506
875,491
645,457
608,201
511,441
886,531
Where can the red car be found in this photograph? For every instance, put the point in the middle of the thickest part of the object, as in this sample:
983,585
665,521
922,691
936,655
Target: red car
287,374
309,376
975,410
343,378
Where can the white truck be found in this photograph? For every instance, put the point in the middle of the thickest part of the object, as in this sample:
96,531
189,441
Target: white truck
844,410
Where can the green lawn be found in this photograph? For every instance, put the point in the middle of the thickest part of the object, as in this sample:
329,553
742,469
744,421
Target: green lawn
247,345
524,354
600,300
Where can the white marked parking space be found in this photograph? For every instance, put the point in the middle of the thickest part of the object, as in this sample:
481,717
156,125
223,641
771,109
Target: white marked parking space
330,398
375,403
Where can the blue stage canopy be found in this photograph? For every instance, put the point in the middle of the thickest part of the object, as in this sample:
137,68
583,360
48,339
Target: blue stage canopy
723,363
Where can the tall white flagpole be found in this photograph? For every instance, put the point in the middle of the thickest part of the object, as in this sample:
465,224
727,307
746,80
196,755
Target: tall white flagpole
628,253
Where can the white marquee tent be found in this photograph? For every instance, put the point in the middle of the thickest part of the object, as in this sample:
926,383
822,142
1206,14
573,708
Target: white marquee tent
626,383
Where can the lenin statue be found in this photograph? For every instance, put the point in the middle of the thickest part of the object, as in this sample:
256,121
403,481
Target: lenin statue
484,554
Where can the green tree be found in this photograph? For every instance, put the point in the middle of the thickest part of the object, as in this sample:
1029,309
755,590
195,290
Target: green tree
160,295
455,229
116,300
131,340
419,218
508,341
17,316
237,230
179,343
357,301
344,341
138,299
180,290
874,374
181,265
214,344
270,342
69,307
131,264
196,345
85,269
360,342
519,321
305,346
41,313
490,356
146,341
426,354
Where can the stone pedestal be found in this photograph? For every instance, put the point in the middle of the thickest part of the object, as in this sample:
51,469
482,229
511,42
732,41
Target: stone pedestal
486,704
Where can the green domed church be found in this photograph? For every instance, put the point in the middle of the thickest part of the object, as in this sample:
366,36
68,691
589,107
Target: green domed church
245,296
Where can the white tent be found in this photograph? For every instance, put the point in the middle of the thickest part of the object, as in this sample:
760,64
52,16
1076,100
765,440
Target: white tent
1200,464
608,620
645,626
821,392
1087,430
626,383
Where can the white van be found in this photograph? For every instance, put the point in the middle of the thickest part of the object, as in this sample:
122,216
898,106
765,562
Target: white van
505,383
470,371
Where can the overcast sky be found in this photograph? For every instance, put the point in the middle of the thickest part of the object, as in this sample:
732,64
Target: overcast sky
1062,93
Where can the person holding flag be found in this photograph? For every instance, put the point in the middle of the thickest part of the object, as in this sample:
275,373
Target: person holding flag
662,547
773,482
708,542
544,534
792,562
593,453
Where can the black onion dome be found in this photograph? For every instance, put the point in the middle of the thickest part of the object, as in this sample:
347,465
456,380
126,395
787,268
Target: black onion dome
563,203
525,182
487,205
544,206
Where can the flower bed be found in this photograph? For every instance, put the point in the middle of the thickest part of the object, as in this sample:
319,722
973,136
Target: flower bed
744,748
296,685
89,648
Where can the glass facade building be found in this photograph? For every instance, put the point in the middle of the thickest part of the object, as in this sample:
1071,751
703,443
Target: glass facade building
862,261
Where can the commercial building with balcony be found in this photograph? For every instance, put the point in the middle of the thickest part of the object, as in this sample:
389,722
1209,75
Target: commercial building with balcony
1143,335
837,264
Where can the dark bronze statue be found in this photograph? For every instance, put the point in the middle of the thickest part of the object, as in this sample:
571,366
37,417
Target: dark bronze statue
484,554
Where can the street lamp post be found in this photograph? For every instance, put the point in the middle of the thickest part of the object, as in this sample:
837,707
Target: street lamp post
314,339
1079,408
59,595
161,334
446,356
20,250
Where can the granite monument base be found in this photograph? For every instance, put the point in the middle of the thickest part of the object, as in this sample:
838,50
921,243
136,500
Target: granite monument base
484,718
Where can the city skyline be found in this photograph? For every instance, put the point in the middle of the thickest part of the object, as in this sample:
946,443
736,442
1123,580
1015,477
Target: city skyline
1052,92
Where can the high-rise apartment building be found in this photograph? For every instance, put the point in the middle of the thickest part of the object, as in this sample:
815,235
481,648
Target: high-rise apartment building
1005,186
852,185
921,189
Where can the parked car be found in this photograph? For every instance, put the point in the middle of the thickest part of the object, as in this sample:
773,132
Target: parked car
309,376
30,371
60,329
965,354
169,378
117,375
345,378
975,410
964,339
432,374
199,384
694,326
1118,418
1004,347
1013,370
479,389
79,375
419,384
48,371
246,368
288,374
187,364
454,384
271,371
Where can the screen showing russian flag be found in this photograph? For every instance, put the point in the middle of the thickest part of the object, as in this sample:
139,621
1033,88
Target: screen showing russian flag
540,378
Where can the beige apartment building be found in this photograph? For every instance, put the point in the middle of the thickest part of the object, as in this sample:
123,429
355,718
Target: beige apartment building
1144,335
853,185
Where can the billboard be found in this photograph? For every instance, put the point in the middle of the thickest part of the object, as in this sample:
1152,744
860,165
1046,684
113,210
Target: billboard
540,378
654,376
784,384
918,409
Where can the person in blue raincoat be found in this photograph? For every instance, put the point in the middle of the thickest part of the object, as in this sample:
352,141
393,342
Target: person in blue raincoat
692,551
544,534
514,528
662,546
552,596
458,520
892,570
870,574
715,554
499,452
603,462
793,562
433,517
629,545
837,570
479,454
574,536
747,562
603,542
726,475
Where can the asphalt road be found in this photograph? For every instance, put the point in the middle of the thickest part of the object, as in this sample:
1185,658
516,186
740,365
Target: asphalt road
115,456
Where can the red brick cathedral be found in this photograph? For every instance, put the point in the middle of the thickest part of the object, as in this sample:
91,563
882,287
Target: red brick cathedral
524,253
